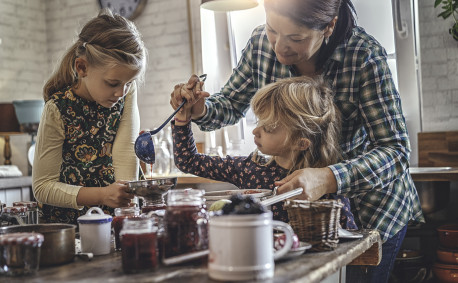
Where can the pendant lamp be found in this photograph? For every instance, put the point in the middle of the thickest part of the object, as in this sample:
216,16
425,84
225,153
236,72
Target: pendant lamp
228,5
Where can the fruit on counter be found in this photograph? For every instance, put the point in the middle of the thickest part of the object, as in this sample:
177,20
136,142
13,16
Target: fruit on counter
280,239
240,204
218,205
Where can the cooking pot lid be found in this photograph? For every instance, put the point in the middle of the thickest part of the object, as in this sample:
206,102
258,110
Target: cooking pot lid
98,218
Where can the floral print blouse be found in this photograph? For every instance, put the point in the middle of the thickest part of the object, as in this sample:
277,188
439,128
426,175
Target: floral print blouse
241,171
90,130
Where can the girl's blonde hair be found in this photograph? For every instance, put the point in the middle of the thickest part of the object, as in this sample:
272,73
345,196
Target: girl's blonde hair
106,40
305,107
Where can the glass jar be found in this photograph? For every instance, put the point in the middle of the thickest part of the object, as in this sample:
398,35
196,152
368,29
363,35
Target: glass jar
31,211
139,245
15,215
153,204
122,213
186,222
20,253
162,165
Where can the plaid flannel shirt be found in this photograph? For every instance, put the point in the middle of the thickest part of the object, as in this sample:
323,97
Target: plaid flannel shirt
375,143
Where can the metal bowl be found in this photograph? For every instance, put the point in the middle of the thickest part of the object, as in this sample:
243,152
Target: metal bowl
152,189
59,241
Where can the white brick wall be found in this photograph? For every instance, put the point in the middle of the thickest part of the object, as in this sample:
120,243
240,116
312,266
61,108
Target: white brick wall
439,67
36,33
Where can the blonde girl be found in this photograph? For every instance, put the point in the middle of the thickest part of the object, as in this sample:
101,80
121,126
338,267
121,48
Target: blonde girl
84,151
298,127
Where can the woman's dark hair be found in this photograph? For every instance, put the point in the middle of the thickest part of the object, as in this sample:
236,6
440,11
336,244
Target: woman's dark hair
317,14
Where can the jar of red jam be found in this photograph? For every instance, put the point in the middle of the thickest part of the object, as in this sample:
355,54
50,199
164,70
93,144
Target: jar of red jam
139,245
31,210
186,222
122,213
20,253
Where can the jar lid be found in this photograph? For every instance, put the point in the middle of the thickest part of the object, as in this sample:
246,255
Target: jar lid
30,204
97,218
28,239
14,209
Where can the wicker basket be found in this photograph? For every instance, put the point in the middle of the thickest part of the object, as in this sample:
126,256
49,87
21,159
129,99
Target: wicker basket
315,222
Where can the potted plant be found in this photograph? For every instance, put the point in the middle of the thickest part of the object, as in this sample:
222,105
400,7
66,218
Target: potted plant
449,8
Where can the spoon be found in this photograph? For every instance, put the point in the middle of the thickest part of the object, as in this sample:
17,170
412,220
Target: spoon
144,145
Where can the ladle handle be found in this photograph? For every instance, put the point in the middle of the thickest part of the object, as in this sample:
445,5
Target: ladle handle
155,131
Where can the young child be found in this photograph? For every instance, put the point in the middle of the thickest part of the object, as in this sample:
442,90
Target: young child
85,141
298,126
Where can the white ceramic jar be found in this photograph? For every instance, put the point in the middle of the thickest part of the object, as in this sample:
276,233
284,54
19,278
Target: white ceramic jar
95,232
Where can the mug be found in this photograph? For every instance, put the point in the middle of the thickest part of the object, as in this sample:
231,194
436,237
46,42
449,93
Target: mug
241,246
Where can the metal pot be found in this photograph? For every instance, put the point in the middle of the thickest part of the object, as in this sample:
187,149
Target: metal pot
59,241
448,236
434,195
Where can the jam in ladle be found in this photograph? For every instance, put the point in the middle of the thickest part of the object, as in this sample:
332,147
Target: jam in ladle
144,145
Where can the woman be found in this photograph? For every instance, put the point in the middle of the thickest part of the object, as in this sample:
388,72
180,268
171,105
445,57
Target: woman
307,37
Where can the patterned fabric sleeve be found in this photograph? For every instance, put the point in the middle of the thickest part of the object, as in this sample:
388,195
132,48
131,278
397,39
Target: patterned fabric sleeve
188,160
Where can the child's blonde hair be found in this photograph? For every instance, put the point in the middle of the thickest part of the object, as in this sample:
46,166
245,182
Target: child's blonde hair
106,40
305,107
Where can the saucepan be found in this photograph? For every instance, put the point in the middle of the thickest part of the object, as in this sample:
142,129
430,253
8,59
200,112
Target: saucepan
59,241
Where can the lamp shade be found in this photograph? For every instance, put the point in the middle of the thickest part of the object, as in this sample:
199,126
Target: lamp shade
228,5
8,119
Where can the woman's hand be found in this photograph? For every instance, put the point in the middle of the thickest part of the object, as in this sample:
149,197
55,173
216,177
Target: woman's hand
316,182
193,93
116,195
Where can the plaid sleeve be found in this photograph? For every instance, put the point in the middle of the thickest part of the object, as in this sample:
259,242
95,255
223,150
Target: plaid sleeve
386,156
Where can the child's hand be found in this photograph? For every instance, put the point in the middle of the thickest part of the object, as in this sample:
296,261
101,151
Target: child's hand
116,195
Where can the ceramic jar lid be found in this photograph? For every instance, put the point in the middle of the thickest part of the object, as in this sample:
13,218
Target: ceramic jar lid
94,218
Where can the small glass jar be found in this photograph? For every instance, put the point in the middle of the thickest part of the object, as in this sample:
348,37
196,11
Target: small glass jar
20,253
15,215
139,245
122,213
154,204
31,212
186,223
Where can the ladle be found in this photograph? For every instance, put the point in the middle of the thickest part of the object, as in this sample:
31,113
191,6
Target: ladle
144,145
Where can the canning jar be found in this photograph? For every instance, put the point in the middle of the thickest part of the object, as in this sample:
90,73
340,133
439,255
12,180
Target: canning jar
186,222
15,215
20,253
138,245
31,210
122,213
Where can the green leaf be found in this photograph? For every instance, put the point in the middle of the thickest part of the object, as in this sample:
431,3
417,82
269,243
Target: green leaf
436,3
445,14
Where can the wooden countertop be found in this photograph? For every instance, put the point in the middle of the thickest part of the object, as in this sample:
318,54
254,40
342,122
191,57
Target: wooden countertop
309,267
445,175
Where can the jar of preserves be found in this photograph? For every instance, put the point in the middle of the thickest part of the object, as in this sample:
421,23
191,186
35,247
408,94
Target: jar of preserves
122,213
138,245
186,222
31,210
15,215
20,253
